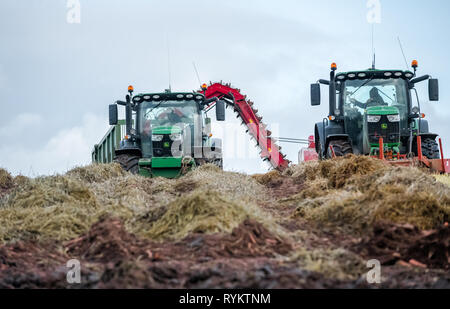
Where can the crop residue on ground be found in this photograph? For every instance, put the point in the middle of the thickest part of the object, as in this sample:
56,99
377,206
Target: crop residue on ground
315,225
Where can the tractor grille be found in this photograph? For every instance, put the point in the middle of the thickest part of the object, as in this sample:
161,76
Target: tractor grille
163,148
389,131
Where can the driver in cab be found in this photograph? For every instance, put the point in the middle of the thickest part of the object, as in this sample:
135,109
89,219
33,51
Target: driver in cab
172,115
375,99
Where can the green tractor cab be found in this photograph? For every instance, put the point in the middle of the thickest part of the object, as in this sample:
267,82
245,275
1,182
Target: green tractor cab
163,135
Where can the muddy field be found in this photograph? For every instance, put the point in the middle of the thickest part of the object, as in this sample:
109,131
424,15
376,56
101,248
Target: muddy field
314,226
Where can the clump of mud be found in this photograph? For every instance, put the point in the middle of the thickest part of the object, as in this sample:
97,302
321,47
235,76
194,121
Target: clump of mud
249,239
107,241
393,243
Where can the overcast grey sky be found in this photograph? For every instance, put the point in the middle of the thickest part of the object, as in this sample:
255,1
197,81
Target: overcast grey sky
57,78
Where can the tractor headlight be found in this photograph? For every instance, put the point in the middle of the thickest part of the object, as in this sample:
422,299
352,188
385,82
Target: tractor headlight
393,118
157,138
175,136
373,118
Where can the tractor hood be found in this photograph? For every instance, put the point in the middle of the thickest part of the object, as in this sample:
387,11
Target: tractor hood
166,130
382,110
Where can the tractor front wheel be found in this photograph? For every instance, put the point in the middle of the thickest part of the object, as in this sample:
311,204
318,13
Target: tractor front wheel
129,162
340,147
219,163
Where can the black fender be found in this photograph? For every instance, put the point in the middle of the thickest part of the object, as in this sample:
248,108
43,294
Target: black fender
318,137
131,151
430,135
423,125
424,131
326,131
129,146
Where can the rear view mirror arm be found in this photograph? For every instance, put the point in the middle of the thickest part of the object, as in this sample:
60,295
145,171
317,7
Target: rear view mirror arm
419,79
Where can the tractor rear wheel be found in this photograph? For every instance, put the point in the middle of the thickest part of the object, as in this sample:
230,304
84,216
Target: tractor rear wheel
341,148
430,148
128,162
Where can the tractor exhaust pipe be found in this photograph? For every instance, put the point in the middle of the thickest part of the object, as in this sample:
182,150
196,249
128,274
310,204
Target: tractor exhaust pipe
332,90
128,116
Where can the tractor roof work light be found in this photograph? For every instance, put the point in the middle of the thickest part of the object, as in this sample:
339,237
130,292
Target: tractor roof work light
415,64
333,66
130,88
204,87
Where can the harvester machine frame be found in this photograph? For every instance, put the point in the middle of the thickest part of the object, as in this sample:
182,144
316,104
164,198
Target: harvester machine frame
270,151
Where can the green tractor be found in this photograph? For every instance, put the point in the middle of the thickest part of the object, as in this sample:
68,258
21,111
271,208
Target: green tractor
372,109
166,134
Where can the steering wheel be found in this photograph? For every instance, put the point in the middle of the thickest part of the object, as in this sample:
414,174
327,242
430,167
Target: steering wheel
353,102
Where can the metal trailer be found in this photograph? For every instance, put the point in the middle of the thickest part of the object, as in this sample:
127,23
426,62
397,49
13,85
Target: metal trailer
103,152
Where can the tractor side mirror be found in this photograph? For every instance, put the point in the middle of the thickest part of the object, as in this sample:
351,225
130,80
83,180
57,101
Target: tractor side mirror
113,118
315,94
220,110
433,89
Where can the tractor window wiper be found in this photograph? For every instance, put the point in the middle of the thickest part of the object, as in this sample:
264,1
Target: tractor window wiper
382,92
362,85
151,110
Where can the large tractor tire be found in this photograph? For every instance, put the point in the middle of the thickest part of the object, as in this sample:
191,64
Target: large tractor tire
129,162
430,148
219,163
340,147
